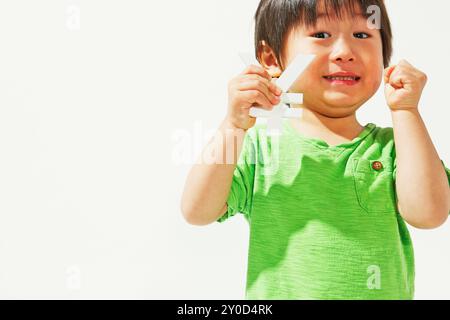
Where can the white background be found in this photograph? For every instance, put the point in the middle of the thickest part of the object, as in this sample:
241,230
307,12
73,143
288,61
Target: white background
89,122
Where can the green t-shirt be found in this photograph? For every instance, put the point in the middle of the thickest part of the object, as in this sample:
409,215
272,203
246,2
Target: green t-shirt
323,219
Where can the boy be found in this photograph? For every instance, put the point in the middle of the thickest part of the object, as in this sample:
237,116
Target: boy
329,221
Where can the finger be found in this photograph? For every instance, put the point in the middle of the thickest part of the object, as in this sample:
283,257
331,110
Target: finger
405,63
254,69
420,75
271,89
270,82
271,85
275,88
409,75
387,73
258,85
407,67
257,82
256,98
396,80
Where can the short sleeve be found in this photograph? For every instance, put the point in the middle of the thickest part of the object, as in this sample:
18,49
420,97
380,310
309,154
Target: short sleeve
241,192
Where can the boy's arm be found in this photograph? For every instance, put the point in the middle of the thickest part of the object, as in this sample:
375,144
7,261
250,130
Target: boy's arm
209,180
422,185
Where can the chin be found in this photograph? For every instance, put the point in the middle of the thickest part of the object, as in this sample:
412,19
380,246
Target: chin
342,103
341,100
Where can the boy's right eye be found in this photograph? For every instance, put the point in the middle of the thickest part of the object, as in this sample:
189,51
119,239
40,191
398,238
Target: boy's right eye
321,35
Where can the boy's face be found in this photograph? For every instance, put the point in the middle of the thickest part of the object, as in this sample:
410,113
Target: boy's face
340,45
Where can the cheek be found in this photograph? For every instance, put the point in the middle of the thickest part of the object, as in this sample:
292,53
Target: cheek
304,83
311,77
374,77
373,61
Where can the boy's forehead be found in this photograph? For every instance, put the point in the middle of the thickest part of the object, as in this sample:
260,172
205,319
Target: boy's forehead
323,20
334,16
323,17
330,7
348,11
325,14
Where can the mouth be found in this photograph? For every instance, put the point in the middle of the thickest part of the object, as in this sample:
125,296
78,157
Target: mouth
346,78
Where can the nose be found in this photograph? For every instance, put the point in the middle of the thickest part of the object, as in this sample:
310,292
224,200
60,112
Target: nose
342,52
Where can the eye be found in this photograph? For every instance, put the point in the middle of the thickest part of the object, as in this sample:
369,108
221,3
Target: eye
361,35
321,35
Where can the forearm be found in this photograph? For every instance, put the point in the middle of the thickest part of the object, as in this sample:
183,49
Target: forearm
209,181
421,182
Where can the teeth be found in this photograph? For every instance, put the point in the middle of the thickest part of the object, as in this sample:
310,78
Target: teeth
342,78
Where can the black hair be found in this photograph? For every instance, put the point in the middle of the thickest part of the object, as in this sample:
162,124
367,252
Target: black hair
275,18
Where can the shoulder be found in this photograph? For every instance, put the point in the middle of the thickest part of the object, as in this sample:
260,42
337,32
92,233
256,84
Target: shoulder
257,129
256,134
383,135
259,132
380,144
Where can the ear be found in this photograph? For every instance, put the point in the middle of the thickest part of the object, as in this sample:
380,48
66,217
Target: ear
268,60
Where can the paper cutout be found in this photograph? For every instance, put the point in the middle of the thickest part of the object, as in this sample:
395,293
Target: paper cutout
286,80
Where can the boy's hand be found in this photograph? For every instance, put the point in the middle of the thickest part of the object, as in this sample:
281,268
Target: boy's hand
253,87
403,86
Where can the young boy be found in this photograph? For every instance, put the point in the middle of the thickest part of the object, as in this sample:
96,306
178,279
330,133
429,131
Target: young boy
327,200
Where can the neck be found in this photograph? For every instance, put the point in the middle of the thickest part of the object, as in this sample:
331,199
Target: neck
347,126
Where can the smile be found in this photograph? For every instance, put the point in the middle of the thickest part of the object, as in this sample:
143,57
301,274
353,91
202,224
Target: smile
346,80
342,78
